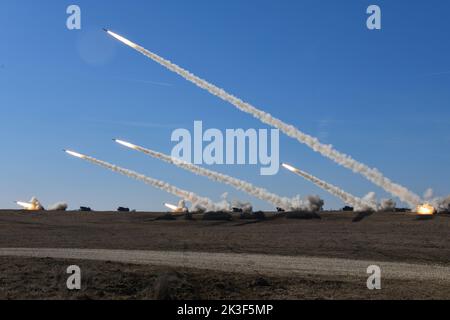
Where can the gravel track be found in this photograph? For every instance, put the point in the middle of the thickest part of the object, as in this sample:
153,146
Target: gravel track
272,265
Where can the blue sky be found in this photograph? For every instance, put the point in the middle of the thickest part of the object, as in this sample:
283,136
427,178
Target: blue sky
381,96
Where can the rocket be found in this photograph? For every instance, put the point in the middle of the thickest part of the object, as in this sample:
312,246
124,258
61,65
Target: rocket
74,154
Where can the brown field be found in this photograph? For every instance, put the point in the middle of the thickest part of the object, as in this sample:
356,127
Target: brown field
274,259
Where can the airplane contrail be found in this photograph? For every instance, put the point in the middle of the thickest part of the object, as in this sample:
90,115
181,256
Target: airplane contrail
260,193
372,174
349,199
190,196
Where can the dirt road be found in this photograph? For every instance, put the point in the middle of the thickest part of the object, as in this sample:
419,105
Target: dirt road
271,265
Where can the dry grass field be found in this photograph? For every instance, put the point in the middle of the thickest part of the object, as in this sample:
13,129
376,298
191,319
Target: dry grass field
135,256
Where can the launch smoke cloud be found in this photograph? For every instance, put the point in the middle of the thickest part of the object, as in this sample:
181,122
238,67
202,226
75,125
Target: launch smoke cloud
60,206
372,174
387,205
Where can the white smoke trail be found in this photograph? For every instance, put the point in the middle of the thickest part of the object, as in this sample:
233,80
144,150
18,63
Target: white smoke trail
358,203
189,196
328,151
241,185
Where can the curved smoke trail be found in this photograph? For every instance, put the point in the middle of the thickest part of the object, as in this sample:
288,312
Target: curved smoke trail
358,203
190,196
372,174
241,185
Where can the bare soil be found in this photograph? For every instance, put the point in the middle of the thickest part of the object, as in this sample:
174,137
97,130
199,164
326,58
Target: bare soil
390,237
382,236
25,278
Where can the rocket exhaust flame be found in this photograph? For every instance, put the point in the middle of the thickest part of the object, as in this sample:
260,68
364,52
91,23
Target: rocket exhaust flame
25,205
290,168
425,210
176,209
190,196
358,203
328,151
75,154
171,206
241,185
126,144
33,205
122,39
